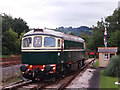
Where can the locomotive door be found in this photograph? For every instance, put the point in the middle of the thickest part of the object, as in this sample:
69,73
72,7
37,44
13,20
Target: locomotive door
62,52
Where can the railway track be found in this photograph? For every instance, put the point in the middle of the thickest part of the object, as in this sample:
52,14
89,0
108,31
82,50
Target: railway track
16,84
66,81
58,84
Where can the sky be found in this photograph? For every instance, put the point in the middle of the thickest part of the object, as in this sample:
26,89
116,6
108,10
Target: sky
56,13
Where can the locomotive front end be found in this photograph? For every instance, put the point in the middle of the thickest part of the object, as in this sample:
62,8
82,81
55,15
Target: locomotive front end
40,55
38,71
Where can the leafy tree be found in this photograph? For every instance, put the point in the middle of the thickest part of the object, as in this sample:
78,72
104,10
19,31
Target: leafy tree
10,42
113,21
98,36
96,40
6,22
88,40
17,24
20,38
5,51
114,40
90,44
12,31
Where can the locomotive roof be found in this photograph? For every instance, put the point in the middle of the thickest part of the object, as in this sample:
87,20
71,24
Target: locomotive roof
54,33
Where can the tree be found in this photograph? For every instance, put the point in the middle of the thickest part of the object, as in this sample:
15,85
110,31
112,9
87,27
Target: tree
97,36
113,21
17,24
20,38
114,40
90,43
6,22
11,42
12,31
88,40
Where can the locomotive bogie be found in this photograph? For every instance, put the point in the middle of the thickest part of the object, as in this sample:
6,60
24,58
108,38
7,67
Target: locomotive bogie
38,71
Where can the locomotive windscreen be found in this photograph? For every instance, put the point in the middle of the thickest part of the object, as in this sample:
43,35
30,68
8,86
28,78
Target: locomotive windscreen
49,42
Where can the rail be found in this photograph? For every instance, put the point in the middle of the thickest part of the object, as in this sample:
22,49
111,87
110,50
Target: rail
16,84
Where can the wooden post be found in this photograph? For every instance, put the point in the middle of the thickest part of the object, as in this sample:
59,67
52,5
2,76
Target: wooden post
119,74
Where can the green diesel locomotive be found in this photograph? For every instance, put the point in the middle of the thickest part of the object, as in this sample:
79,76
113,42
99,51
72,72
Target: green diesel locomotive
48,53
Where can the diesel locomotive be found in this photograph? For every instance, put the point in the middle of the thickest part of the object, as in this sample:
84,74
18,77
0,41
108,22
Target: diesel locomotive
47,53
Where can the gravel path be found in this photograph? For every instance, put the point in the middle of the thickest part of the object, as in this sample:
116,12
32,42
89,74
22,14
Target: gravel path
90,79
9,72
95,80
82,81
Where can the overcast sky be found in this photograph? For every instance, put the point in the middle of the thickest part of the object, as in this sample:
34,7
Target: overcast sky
55,13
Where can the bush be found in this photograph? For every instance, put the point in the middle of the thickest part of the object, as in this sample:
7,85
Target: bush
5,51
113,67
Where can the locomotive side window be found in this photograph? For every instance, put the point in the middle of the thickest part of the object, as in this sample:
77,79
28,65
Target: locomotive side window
49,42
27,42
37,41
58,42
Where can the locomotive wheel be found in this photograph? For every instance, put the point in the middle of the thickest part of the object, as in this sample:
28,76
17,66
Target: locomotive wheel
53,79
79,64
33,79
65,71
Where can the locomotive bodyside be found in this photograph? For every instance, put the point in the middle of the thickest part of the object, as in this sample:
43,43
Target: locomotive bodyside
73,51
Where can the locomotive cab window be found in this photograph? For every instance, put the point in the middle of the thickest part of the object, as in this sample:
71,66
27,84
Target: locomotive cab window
49,42
58,42
37,41
27,42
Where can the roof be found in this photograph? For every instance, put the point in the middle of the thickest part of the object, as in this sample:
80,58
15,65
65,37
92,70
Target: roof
108,49
55,33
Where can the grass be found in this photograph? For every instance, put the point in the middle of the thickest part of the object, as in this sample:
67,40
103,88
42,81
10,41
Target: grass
5,56
107,81
96,65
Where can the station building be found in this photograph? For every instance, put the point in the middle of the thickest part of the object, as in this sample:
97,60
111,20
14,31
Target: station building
105,53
